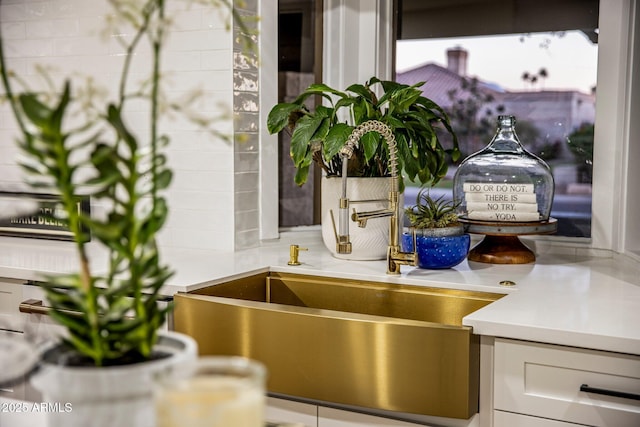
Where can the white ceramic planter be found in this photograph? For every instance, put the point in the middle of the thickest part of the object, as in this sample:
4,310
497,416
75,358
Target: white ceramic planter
113,396
371,242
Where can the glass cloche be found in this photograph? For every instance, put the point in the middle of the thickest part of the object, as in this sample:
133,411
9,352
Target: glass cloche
504,182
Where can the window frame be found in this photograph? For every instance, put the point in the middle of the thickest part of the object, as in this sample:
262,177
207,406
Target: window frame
613,212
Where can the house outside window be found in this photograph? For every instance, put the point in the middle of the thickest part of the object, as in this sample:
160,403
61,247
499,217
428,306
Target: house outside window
538,64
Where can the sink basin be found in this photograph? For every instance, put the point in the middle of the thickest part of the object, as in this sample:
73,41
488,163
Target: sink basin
367,344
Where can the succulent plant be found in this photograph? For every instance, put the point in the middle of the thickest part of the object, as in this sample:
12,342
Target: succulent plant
432,213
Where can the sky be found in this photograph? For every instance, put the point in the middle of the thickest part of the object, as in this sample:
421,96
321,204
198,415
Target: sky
569,58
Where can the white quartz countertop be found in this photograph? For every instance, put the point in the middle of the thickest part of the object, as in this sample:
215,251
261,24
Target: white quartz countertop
564,298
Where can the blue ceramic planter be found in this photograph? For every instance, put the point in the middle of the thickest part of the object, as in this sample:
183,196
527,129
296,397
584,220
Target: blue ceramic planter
438,252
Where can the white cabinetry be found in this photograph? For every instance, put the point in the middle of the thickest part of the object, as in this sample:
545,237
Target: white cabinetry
35,327
510,419
330,417
10,298
309,415
566,384
39,327
289,411
11,323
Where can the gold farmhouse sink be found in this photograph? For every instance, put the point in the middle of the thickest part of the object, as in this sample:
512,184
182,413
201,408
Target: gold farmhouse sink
368,344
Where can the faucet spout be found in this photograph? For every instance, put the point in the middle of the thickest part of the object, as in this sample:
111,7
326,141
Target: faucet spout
362,217
395,257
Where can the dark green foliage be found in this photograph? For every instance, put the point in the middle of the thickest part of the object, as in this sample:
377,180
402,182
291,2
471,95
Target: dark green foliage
414,119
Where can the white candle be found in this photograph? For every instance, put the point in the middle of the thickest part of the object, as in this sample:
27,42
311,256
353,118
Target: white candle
214,395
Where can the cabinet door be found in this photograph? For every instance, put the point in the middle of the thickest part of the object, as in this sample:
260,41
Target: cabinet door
329,417
289,411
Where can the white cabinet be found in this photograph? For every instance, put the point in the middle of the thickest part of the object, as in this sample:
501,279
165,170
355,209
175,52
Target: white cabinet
509,419
565,384
39,327
330,417
23,310
289,411
11,325
10,298
309,415
34,327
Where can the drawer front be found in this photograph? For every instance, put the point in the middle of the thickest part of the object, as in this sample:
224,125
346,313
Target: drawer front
10,298
546,380
509,419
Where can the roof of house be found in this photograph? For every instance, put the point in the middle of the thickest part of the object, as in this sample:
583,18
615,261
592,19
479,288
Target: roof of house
440,81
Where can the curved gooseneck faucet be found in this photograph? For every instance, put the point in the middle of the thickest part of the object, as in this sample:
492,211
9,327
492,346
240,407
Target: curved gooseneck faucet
395,257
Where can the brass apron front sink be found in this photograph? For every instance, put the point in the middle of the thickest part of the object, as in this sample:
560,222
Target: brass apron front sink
374,345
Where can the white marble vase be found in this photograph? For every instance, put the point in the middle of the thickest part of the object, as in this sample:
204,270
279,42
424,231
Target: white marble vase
81,396
370,242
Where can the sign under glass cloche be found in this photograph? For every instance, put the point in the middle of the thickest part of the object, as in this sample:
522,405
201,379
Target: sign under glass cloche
503,181
504,191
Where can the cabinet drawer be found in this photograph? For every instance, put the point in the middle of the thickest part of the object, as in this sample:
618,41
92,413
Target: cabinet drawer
509,419
10,298
545,381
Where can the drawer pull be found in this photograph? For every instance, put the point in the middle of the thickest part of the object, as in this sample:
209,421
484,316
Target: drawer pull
614,393
33,306
36,306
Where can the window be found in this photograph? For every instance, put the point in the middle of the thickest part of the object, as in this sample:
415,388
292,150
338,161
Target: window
536,60
298,67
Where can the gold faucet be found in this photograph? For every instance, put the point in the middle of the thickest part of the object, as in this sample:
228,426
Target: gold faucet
395,256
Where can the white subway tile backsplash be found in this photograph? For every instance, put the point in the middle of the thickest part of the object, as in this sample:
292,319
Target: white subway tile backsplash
246,200
246,101
204,181
28,48
217,200
216,59
245,81
247,220
14,30
215,19
247,239
13,11
199,40
212,178
193,218
195,238
181,61
246,122
247,162
52,28
205,80
69,46
246,181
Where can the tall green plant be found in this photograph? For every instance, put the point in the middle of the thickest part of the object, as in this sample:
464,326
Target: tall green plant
317,136
113,316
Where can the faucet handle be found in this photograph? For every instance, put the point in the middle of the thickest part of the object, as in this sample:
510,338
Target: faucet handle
294,251
343,245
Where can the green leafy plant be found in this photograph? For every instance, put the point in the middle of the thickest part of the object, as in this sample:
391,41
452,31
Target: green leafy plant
418,123
112,317
432,213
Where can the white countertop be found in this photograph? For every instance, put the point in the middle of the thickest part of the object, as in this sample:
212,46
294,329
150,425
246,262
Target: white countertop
563,298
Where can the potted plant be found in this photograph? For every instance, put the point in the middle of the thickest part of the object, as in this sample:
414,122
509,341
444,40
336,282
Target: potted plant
440,238
421,128
111,312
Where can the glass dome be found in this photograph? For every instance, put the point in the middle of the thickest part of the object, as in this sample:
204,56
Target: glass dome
504,182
